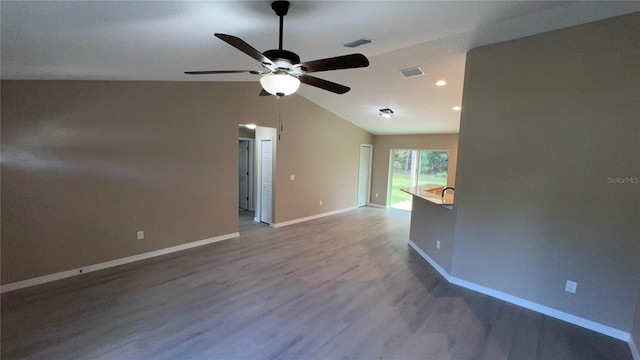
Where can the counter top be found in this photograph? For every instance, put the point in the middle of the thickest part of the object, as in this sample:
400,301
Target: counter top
431,193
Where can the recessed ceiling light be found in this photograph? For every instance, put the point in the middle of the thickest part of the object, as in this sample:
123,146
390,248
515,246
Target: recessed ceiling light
441,82
456,108
386,113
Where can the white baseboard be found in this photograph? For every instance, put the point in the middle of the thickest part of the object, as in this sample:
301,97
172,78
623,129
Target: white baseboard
435,265
376,206
312,217
561,315
95,267
573,319
635,352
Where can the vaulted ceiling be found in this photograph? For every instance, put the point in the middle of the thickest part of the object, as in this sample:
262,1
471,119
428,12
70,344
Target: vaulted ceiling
158,40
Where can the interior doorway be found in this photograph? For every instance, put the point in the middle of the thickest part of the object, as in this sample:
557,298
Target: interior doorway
364,174
245,174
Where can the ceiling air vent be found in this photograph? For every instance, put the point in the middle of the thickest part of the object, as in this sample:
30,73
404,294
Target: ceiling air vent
411,72
357,43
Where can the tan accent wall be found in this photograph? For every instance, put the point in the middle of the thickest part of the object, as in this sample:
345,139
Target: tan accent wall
549,122
85,164
382,145
323,152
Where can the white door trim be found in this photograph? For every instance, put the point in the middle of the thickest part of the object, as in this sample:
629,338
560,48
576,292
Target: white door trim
370,165
258,210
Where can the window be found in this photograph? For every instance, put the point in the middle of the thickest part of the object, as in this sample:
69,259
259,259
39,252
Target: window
415,167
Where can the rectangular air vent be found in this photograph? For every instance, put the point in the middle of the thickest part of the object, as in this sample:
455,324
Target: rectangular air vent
357,43
411,72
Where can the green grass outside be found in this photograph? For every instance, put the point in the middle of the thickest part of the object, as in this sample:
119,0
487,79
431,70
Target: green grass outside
400,180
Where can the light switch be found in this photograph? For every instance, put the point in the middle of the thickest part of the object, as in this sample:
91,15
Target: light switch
292,177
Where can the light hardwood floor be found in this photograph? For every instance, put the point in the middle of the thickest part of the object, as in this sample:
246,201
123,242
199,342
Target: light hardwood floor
345,286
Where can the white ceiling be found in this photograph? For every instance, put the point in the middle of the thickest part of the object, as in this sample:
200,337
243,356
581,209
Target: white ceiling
158,40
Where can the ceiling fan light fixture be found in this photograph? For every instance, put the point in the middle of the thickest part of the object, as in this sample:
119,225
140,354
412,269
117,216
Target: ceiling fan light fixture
386,113
283,69
280,84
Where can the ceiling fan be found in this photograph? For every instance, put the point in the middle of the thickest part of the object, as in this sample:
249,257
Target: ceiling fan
283,72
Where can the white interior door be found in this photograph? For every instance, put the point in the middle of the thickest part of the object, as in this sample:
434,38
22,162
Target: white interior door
243,174
266,179
364,177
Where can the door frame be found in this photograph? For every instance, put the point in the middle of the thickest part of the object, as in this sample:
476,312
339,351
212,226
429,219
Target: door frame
370,168
258,162
250,177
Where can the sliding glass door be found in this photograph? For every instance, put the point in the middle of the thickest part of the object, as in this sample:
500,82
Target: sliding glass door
414,167
401,176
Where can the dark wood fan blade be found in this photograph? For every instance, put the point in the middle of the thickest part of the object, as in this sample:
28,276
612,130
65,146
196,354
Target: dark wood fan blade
323,84
264,92
245,48
336,63
224,72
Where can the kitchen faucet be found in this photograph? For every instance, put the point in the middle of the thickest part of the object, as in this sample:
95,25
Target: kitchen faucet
447,188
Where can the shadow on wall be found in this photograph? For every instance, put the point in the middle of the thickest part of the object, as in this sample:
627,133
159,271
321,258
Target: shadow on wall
49,147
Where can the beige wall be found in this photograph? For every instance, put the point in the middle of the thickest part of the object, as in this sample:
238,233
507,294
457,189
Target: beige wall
85,164
382,145
547,120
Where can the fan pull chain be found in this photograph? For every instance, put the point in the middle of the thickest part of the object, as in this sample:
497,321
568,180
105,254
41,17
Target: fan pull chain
280,121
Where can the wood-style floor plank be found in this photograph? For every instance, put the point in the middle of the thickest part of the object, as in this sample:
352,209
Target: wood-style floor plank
340,287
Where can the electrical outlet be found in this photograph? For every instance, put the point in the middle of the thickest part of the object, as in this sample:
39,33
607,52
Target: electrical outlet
376,194
320,202
140,235
571,286
292,177
438,244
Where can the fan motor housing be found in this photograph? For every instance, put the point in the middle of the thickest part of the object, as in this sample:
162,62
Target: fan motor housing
282,56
